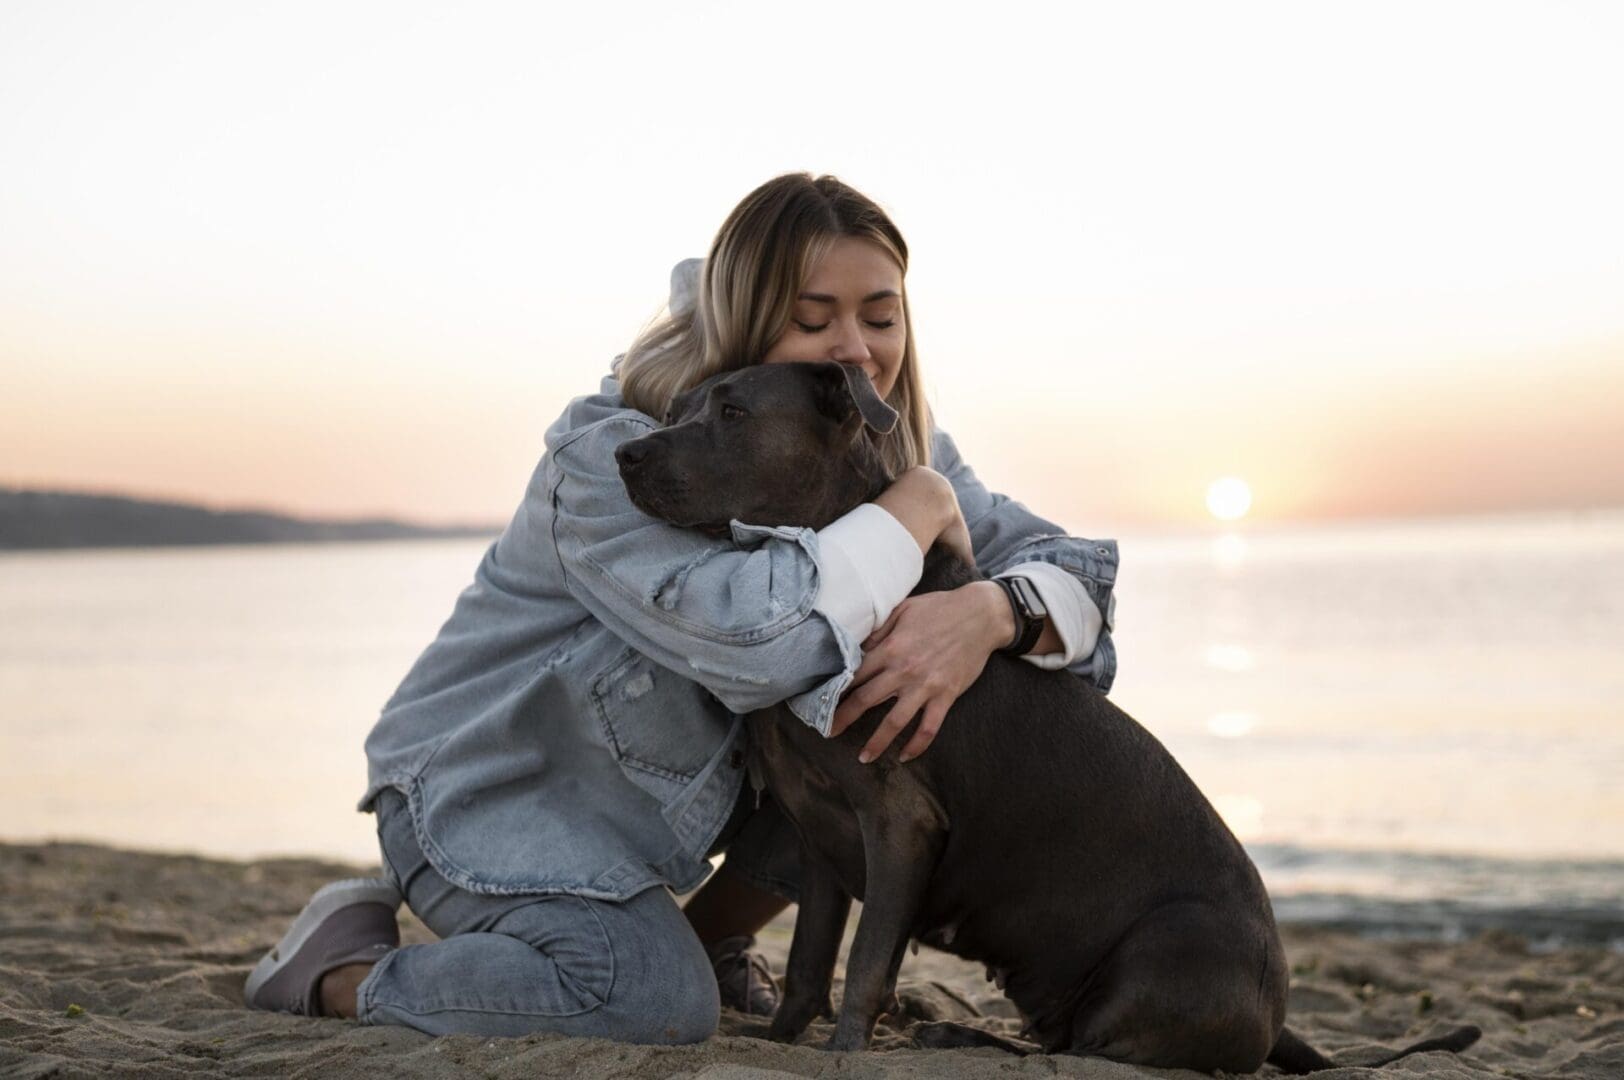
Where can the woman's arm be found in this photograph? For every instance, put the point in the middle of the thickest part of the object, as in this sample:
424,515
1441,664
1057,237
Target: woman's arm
872,557
934,646
733,613
1075,576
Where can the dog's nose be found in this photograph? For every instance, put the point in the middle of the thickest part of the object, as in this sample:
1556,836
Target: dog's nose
629,455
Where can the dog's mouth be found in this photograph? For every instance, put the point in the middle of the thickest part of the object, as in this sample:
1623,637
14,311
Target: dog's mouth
666,505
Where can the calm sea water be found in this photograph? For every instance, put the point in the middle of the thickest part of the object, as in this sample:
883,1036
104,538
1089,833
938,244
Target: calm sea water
1416,727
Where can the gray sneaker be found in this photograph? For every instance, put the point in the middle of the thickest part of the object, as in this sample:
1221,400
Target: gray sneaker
742,976
346,922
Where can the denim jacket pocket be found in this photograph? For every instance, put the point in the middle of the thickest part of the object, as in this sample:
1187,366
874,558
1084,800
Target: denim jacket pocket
661,728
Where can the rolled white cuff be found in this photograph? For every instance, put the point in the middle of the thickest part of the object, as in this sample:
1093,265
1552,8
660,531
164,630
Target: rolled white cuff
870,563
1072,611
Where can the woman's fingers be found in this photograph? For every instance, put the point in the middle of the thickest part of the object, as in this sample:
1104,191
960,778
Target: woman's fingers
884,628
935,713
901,714
930,650
872,665
858,701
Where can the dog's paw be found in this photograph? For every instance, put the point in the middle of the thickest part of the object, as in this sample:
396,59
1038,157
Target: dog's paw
847,1041
794,1016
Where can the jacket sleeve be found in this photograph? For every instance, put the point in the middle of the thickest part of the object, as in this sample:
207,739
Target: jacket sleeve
1004,534
735,614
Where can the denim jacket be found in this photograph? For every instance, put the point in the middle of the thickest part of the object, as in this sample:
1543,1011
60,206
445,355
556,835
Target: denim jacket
575,726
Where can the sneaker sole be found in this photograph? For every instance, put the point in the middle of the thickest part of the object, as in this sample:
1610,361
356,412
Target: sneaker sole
328,899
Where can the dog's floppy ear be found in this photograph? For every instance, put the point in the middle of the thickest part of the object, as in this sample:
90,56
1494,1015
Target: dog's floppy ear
850,392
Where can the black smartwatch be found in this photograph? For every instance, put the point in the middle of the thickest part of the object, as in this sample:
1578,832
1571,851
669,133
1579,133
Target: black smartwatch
1030,614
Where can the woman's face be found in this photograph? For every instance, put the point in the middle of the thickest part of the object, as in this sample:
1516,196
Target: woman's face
850,311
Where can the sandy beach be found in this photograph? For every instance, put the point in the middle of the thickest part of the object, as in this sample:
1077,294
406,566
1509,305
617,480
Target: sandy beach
125,963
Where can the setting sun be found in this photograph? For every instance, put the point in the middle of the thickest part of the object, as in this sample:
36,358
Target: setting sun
1229,498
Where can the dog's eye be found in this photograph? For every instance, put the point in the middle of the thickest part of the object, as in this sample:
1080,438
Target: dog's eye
732,412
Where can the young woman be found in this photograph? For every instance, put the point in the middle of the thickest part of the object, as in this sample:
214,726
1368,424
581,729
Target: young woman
568,752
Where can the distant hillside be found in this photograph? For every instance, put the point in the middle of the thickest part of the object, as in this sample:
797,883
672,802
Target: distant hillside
58,519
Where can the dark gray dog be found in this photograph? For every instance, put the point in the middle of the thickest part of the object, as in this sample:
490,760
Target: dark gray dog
1044,833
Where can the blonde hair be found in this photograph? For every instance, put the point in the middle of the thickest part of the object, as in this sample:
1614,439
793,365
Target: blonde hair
761,257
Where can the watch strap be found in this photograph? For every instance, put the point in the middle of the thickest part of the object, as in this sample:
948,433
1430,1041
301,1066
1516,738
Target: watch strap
1029,625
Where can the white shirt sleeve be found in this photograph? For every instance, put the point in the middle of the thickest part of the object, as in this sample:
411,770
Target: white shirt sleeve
1072,611
870,562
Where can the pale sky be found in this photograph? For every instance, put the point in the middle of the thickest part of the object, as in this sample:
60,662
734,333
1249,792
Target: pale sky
350,258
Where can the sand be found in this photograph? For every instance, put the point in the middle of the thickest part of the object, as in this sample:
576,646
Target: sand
130,964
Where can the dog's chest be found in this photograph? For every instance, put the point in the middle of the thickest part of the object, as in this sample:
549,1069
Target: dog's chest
807,792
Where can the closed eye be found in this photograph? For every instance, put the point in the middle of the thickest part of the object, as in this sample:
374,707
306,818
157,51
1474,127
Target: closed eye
805,329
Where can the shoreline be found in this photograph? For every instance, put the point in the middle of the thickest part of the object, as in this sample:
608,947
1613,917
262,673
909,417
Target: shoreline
153,949
1391,894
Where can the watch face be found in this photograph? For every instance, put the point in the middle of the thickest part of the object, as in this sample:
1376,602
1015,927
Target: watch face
1029,598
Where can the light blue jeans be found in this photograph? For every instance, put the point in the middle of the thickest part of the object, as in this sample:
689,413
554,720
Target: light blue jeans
632,971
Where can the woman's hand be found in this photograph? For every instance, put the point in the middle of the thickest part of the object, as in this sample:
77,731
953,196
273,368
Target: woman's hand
922,500
925,655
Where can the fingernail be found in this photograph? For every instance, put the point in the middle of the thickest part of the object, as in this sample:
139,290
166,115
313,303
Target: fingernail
903,759
864,758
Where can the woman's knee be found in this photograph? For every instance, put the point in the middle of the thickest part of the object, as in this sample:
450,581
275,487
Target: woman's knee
672,1000
696,1008
678,1007
664,987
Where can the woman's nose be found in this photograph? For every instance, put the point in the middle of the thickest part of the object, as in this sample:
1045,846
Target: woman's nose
849,346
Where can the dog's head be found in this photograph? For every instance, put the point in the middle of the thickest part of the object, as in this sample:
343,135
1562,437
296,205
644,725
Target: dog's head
772,444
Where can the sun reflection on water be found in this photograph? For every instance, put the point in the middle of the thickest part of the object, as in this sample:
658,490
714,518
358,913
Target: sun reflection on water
1229,551
1231,723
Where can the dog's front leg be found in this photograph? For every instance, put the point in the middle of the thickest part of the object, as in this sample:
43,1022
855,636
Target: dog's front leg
819,924
901,844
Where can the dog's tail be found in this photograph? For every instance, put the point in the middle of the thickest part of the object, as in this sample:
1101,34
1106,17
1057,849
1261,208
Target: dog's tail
1294,1056
946,1035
